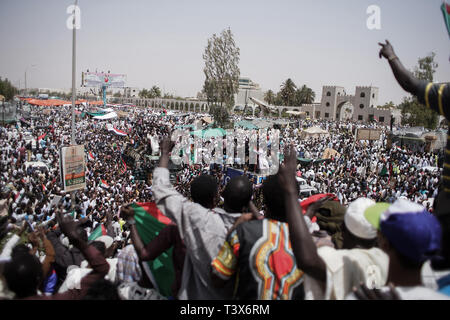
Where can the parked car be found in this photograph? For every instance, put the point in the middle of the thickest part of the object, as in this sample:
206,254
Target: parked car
305,190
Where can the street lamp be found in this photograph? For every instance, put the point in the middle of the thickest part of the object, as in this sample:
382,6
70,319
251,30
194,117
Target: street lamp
31,66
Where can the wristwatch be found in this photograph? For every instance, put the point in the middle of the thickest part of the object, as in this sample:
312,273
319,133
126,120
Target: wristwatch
131,222
392,58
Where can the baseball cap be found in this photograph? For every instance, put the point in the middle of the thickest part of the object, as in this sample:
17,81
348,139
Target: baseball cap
410,228
356,222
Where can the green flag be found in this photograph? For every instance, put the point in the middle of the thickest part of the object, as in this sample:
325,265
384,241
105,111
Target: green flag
98,232
149,222
446,11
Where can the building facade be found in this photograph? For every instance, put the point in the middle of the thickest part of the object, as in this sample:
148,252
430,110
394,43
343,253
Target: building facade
247,89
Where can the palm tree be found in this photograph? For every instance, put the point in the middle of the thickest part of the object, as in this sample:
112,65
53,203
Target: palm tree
144,93
287,92
309,95
304,95
269,97
155,92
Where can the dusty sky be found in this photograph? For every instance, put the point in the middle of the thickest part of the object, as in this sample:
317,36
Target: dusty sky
161,42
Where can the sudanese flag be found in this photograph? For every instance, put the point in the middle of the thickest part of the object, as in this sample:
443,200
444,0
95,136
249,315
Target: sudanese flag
98,232
149,222
446,11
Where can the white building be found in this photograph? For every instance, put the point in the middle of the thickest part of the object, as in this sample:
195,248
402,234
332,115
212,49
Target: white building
247,89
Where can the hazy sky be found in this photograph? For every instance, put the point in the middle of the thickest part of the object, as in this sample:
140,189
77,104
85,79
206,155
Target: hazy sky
313,42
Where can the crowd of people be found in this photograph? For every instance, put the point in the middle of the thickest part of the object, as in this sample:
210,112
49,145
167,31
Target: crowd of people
379,216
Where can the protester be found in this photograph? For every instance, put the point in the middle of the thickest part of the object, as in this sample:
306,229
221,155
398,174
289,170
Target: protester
339,249
203,229
257,255
331,273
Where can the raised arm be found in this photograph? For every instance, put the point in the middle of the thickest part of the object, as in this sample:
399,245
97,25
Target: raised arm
174,205
404,77
127,214
305,250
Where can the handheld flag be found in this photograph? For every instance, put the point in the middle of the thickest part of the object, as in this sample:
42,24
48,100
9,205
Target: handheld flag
149,222
117,131
91,156
103,184
446,11
124,168
98,232
42,137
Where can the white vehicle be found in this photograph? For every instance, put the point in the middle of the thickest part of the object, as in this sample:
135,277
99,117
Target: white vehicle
305,190
36,164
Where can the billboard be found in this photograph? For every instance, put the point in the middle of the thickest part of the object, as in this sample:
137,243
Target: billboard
368,134
99,79
72,168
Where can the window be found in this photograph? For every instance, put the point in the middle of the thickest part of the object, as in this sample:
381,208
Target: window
317,114
307,113
328,94
361,106
362,95
371,106
373,95
381,119
327,115
360,117
339,93
327,104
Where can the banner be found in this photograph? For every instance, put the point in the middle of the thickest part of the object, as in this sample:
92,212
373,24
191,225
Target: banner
368,134
73,168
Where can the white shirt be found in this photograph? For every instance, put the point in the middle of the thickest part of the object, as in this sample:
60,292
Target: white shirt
347,269
412,293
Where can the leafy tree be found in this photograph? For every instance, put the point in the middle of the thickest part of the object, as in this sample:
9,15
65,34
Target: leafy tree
221,70
388,105
426,68
414,113
117,95
7,89
287,92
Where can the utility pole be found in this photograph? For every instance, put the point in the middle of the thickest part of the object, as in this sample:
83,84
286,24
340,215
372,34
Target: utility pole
73,74
72,140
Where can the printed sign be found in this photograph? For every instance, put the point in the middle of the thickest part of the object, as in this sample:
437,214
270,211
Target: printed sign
73,168
368,134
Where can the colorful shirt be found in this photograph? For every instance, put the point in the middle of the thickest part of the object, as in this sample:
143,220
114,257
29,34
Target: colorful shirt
259,254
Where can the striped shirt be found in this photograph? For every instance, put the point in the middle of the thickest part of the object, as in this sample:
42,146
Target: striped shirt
437,97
